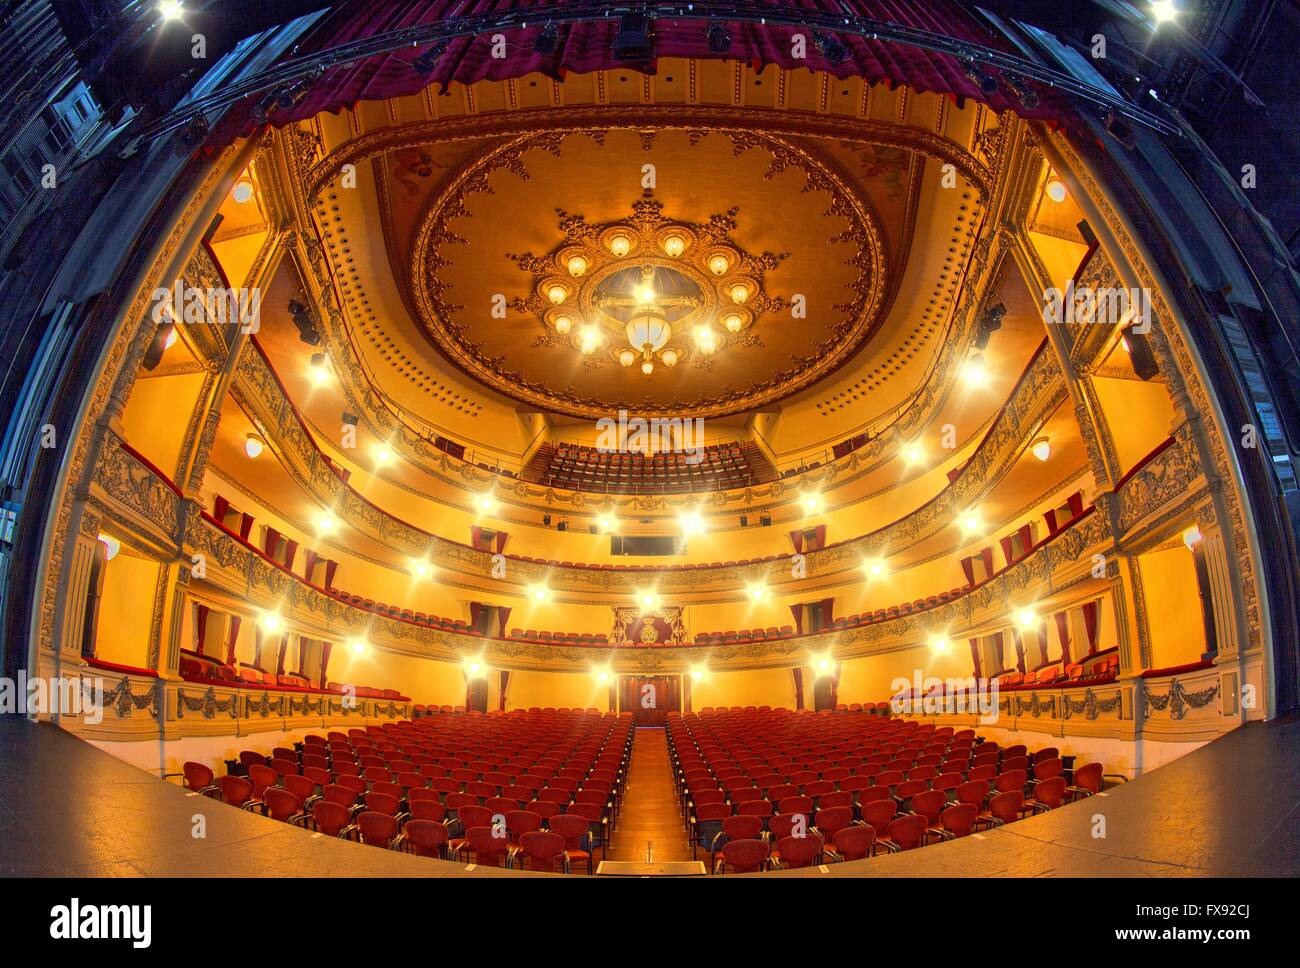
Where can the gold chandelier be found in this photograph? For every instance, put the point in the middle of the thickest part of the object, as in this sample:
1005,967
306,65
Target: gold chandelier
648,289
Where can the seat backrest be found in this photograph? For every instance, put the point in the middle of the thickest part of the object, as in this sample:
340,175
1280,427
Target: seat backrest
799,851
377,802
235,790
281,804
330,817
428,810
958,818
542,847
1051,792
1006,806
1047,769
1088,777
854,842
377,829
878,813
973,791
930,804
907,831
425,834
745,856
742,827
833,819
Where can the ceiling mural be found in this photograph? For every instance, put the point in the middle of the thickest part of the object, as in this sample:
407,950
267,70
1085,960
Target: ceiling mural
766,262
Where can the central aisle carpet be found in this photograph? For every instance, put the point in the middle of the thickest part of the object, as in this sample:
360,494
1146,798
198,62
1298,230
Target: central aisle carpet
650,824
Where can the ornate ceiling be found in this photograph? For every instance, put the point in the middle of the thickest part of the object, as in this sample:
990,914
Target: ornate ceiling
809,218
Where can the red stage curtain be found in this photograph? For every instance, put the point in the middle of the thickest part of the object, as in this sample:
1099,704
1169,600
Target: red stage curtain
1020,650
797,612
796,539
1063,629
798,687
968,569
998,646
232,639
1008,555
975,657
587,47
246,527
201,637
1042,641
835,686
502,691
291,552
1091,612
284,648
502,538
219,507
330,568
270,541
986,555
325,650
1050,518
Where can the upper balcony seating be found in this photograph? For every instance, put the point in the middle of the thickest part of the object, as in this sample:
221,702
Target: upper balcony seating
719,467
1099,667
209,671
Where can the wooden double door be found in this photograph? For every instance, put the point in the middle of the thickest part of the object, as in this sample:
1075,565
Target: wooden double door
650,698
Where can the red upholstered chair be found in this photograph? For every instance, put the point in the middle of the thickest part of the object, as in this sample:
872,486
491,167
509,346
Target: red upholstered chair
742,857
706,825
832,820
573,829
485,847
235,790
198,778
1003,809
375,828
879,813
1087,782
852,843
1010,780
755,808
1047,769
378,802
1048,795
958,820
840,798
905,833
281,804
741,827
261,777
796,805
427,810
973,791
518,823
329,818
542,850
424,837
793,852
786,824
930,804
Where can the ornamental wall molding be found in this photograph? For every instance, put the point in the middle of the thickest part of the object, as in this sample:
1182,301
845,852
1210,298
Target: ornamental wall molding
1037,395
1188,390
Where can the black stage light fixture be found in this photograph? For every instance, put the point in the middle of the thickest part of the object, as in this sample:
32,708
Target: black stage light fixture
765,519
306,324
988,84
989,324
633,41
719,39
426,62
1140,354
548,40
744,521
562,526
546,520
351,419
157,346
832,47
1119,130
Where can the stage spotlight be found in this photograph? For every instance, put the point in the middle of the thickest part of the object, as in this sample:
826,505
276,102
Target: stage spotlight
426,62
719,39
547,41
832,48
633,41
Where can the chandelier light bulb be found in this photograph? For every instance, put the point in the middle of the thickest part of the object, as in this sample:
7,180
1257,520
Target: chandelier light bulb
939,644
646,294
647,367
876,569
540,593
970,522
359,646
739,293
485,503
421,570
383,455
1027,618
812,503
1042,448
674,245
557,294
719,265
733,322
620,245
1192,536
626,357
243,191
271,622
647,600
563,324
670,357
706,340
1056,190
577,265
607,522
757,591
326,523
590,340
914,453
254,445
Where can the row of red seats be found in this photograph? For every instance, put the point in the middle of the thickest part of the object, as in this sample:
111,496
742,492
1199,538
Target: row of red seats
845,794
209,671
414,785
